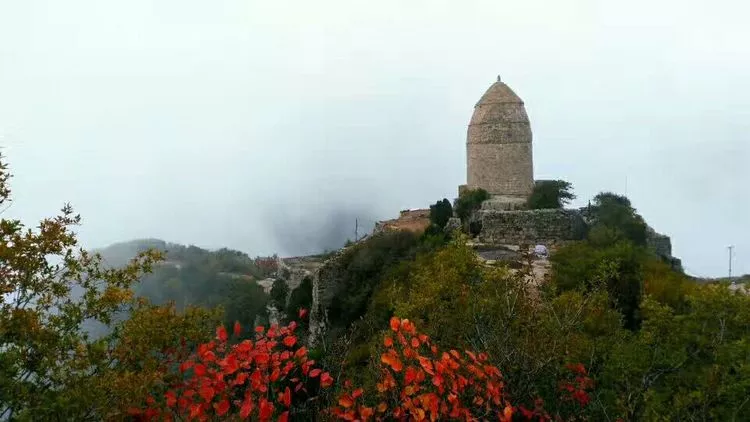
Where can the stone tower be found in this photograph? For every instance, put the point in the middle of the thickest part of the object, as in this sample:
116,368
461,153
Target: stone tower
498,147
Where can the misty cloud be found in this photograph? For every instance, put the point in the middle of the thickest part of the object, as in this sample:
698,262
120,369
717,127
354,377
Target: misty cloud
268,126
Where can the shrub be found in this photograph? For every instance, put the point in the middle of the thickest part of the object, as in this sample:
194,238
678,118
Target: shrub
273,377
358,271
440,213
55,361
470,201
266,378
617,268
616,220
550,194
301,297
418,382
475,227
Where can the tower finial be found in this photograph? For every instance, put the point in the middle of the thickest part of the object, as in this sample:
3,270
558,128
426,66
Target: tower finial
498,78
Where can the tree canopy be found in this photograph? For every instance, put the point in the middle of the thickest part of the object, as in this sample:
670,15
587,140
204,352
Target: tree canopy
550,194
469,201
440,213
615,219
419,327
50,367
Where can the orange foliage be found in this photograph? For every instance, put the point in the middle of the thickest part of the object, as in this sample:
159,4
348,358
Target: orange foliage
433,385
257,378
263,379
575,390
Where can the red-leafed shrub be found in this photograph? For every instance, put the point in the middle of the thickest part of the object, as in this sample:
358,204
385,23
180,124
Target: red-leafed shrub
576,388
258,379
420,382
269,378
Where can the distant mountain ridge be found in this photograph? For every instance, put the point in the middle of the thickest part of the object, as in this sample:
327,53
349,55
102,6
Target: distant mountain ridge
193,276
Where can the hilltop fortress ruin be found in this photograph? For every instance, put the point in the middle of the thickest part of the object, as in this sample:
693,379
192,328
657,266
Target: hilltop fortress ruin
499,159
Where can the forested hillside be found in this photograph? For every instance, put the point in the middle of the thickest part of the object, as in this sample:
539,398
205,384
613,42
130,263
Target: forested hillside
190,275
417,327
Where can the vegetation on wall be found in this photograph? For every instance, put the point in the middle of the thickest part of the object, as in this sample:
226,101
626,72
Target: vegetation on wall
469,201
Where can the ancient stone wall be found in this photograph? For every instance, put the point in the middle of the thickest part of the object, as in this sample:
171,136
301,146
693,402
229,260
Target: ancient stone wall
501,234
547,227
322,295
659,243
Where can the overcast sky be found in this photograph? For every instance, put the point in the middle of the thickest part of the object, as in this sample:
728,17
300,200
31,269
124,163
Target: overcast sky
268,126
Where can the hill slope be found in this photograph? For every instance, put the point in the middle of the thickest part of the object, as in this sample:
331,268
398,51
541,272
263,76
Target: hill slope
195,276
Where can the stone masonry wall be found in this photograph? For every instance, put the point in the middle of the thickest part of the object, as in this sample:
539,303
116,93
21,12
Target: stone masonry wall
500,169
547,227
659,243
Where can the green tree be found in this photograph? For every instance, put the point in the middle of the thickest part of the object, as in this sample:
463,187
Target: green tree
440,213
198,277
461,303
615,219
550,194
242,300
617,269
355,275
692,365
469,201
688,360
50,367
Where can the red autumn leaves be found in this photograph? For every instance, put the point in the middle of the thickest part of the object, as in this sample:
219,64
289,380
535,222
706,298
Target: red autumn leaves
575,390
418,382
252,379
263,379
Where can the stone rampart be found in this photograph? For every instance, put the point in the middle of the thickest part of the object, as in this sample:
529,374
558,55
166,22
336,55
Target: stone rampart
547,227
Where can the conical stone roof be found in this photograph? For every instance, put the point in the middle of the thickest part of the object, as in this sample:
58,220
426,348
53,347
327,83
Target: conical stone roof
499,106
499,92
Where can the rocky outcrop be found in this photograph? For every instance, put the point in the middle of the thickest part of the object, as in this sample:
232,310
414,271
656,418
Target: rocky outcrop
453,224
416,220
293,271
322,296
321,269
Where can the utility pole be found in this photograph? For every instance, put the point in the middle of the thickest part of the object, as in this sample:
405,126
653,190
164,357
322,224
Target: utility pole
356,230
731,249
